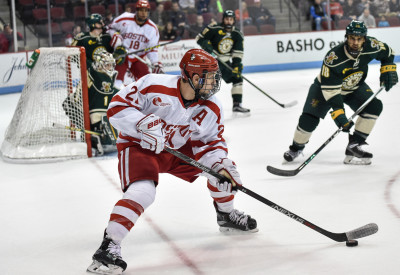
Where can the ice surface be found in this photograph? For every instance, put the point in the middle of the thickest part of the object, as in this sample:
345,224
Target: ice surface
53,215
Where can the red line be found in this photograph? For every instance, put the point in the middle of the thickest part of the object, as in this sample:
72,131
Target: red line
179,253
388,198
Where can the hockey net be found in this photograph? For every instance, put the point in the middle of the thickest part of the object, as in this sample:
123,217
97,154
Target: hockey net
54,101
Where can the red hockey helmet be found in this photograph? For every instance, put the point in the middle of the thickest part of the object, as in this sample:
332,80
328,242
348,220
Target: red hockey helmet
142,4
200,62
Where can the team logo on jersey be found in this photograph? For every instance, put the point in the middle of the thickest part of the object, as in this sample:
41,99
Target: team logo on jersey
330,58
314,102
221,32
225,45
352,80
158,102
91,42
106,86
377,44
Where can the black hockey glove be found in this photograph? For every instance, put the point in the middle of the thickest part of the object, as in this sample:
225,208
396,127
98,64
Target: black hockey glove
119,55
237,70
341,120
388,76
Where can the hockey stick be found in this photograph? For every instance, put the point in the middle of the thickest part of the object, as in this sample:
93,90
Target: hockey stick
255,86
291,173
357,233
151,48
76,129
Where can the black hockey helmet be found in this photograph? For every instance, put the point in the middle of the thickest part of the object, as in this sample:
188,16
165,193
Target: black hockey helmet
356,28
228,13
93,19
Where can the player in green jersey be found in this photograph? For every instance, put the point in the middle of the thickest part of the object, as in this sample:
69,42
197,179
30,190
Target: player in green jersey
341,80
227,43
95,40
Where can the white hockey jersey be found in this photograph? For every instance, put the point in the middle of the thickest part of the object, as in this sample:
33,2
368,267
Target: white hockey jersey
135,37
159,94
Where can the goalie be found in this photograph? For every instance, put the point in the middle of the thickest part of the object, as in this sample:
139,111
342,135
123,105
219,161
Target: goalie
101,78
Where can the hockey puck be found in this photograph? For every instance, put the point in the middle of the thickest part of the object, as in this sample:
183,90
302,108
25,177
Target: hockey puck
351,243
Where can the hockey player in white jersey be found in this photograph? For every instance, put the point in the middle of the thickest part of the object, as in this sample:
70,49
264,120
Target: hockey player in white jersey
132,32
183,113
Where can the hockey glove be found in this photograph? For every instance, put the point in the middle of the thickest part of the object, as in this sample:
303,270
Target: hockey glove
388,76
341,120
227,168
158,68
237,70
119,55
152,134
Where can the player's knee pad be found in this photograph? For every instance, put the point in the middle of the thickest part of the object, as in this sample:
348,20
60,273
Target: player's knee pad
308,122
142,192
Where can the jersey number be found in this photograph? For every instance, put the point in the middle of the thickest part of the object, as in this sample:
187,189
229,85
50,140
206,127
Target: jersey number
325,71
134,45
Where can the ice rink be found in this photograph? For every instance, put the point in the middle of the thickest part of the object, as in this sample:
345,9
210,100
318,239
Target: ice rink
53,215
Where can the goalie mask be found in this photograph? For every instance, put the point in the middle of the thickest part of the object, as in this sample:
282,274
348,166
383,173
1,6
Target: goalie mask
104,62
356,32
94,19
228,14
199,62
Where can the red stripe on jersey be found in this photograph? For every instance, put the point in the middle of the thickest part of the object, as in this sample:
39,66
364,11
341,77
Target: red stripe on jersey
213,107
125,18
125,222
160,90
201,154
199,143
132,205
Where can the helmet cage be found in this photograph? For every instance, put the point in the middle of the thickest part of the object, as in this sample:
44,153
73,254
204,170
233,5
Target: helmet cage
199,62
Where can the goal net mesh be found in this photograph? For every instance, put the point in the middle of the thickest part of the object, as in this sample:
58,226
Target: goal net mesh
50,104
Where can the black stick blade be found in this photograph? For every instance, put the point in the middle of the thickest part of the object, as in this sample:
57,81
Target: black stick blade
280,172
362,232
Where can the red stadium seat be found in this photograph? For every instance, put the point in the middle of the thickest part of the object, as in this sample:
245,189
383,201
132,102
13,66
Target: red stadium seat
250,30
343,23
207,17
393,21
78,12
39,16
132,6
267,28
67,26
167,5
191,18
111,7
100,9
57,14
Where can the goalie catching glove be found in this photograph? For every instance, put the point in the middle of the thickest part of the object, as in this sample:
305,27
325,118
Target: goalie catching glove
388,76
341,120
152,134
119,55
227,168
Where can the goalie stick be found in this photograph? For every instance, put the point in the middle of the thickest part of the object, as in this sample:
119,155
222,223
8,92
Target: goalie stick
357,233
291,173
255,86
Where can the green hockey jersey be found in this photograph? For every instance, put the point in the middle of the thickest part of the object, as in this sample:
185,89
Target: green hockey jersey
101,89
226,45
93,44
341,73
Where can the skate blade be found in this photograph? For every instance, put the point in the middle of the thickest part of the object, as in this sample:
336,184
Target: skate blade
99,268
240,115
356,161
234,231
